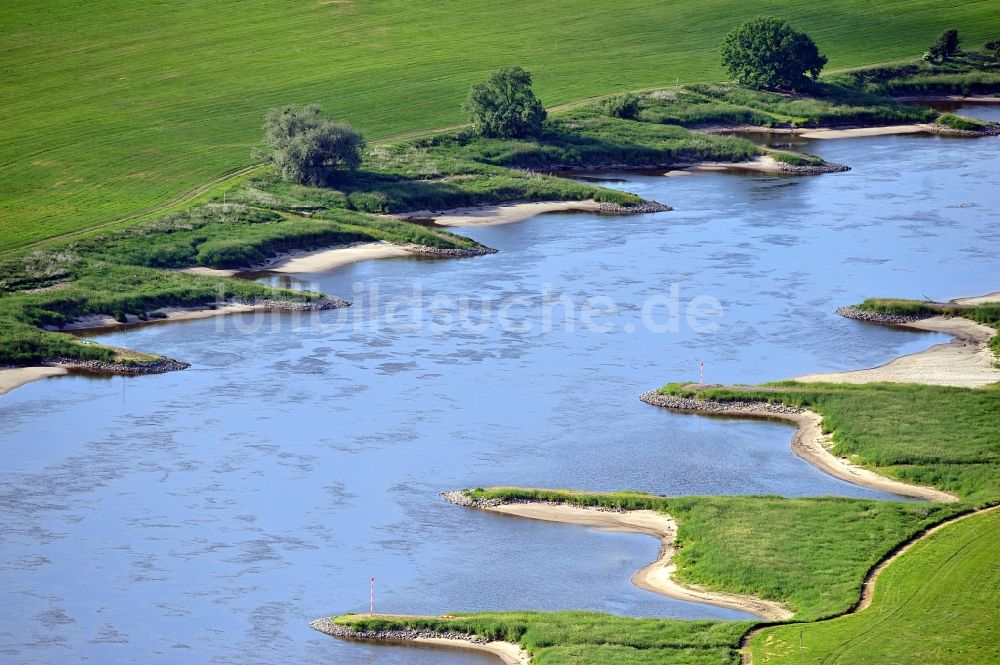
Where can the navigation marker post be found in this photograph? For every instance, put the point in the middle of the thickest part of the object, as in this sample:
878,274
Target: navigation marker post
371,599
702,384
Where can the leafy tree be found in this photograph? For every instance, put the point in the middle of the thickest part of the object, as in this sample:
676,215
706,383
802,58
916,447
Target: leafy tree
945,46
505,106
768,53
625,106
993,46
308,147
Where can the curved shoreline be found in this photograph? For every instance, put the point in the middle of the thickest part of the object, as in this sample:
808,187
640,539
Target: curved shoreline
870,579
768,164
517,211
658,576
808,442
965,362
508,652
15,377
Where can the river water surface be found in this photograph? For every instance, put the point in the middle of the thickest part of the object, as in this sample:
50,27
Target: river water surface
208,515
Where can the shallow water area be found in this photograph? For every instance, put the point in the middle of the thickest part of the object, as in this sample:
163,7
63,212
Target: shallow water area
209,514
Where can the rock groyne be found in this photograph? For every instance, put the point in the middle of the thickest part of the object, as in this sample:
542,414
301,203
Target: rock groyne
752,408
138,368
880,317
277,305
450,252
396,635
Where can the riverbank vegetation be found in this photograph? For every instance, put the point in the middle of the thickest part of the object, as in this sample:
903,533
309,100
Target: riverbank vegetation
935,604
263,216
987,313
809,553
115,112
583,638
902,431
812,553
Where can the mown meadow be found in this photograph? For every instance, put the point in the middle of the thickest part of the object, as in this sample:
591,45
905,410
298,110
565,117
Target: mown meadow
114,112
935,604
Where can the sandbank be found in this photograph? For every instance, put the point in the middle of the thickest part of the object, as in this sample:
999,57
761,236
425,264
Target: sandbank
859,132
965,362
490,215
319,260
15,377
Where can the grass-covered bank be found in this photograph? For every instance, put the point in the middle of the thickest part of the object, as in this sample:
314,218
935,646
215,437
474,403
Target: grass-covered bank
927,435
112,109
895,310
862,97
130,271
935,604
583,638
108,289
812,554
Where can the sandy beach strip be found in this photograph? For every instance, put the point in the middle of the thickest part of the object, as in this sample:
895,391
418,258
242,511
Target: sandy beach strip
15,377
764,164
330,259
508,652
861,132
657,577
101,322
491,215
965,362
812,445
978,300
809,442
308,261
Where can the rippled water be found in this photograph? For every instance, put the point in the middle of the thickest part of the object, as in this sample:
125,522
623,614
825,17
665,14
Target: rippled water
207,515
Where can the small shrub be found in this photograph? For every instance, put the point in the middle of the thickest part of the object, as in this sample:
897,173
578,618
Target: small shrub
625,106
946,46
307,147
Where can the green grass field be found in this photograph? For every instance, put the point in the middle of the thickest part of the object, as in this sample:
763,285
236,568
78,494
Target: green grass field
111,110
936,604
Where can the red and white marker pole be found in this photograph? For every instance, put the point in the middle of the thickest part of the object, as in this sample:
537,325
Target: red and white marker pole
371,600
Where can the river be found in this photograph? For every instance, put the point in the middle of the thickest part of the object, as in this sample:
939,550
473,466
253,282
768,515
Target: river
208,515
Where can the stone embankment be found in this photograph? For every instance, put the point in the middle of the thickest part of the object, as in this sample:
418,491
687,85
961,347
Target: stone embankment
754,408
450,252
944,130
879,317
460,498
272,305
637,209
138,368
812,169
402,635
